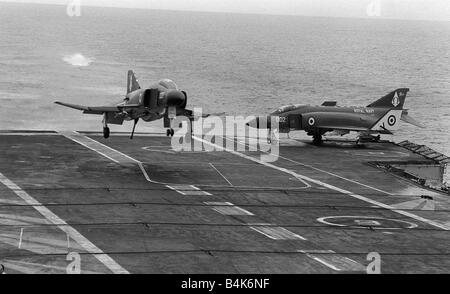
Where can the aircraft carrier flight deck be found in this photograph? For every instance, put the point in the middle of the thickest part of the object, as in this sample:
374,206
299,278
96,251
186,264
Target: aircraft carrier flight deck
142,207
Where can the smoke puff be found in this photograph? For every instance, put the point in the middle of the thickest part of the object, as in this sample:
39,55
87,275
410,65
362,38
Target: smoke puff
78,59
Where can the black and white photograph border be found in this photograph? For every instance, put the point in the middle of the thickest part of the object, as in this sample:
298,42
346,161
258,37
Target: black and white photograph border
244,139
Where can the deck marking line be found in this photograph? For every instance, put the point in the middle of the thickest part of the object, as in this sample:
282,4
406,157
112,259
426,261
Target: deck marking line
184,187
331,187
111,149
212,165
274,232
197,193
63,226
323,262
188,190
174,189
333,260
71,137
98,147
227,208
20,238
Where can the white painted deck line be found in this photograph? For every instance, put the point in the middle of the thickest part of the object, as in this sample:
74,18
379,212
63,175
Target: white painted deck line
87,245
227,208
184,187
106,151
275,233
188,190
334,261
225,178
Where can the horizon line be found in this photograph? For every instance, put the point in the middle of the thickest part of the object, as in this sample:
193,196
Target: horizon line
230,12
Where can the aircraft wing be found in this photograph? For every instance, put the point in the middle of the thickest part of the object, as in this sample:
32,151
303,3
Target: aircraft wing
97,109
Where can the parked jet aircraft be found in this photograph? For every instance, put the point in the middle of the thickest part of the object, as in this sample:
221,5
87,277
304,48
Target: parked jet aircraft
161,100
379,117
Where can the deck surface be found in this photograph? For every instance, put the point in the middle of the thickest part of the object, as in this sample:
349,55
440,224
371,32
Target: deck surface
140,207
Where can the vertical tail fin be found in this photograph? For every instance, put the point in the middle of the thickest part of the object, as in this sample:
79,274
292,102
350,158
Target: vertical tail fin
394,100
132,83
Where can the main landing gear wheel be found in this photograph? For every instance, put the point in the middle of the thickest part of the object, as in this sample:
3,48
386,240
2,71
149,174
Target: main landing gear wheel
170,132
106,133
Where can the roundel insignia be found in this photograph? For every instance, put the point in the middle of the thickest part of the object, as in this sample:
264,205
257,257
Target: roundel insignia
392,120
311,121
395,100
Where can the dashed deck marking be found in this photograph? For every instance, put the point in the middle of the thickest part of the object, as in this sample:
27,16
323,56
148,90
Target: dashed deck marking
334,261
275,233
188,190
184,187
63,226
227,208
331,187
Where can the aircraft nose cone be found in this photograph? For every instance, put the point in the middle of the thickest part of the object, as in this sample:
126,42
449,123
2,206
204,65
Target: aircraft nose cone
260,122
253,123
175,98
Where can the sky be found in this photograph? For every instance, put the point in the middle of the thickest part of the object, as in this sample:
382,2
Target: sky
397,9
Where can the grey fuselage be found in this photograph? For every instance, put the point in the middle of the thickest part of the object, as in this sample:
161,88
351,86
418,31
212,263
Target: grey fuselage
327,118
154,101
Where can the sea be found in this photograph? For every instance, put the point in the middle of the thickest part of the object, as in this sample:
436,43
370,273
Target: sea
240,64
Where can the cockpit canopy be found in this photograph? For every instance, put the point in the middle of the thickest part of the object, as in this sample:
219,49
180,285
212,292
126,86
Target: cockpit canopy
286,108
168,84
